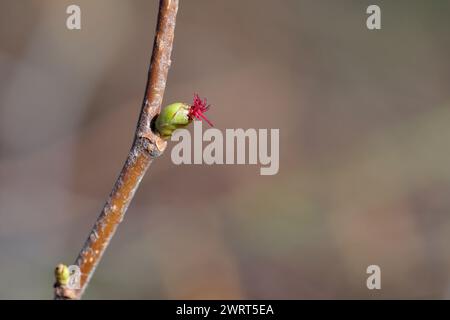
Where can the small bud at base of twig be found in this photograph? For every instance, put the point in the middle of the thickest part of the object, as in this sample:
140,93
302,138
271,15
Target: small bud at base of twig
62,274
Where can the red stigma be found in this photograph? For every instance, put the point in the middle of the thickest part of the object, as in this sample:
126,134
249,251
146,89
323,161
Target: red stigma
197,109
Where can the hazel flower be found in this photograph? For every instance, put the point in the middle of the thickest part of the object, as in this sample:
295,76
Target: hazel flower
197,109
178,115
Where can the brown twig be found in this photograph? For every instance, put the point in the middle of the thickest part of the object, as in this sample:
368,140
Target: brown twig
146,146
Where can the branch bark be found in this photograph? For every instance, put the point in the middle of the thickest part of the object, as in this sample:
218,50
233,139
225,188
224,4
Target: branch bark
146,146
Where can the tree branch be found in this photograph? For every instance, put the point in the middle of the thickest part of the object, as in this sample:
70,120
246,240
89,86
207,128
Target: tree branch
147,146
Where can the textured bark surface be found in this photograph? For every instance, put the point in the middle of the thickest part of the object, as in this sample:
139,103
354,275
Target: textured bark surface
146,146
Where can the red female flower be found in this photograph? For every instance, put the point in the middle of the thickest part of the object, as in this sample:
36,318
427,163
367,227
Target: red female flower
197,109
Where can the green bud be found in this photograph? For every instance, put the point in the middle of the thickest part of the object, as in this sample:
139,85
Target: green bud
172,117
62,274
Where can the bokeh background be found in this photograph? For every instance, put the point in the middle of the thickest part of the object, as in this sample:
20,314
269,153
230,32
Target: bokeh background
364,119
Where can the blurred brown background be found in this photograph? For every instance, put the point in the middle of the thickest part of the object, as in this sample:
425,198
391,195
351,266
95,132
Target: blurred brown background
364,124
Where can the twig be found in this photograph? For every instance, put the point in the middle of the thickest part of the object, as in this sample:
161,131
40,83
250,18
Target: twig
146,147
